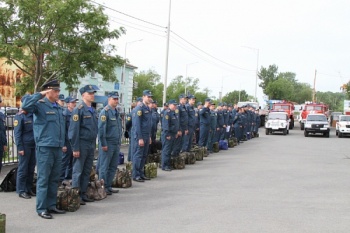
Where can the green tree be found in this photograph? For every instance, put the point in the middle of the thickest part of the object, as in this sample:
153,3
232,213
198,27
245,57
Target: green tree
335,101
234,97
177,87
149,80
302,93
281,89
50,39
267,76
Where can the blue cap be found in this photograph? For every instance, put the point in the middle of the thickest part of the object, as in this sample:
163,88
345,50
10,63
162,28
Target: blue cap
165,104
229,105
220,104
191,97
54,84
113,94
61,97
212,103
182,96
224,104
139,99
88,88
70,100
147,92
172,101
207,100
154,102
199,103
24,97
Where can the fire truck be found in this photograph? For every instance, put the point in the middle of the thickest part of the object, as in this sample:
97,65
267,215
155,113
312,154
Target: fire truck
285,106
313,108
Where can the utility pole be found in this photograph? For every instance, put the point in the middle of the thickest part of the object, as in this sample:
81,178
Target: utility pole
167,56
314,91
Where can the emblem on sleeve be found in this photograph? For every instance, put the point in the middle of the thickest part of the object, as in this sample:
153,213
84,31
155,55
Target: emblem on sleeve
139,113
15,123
103,118
75,117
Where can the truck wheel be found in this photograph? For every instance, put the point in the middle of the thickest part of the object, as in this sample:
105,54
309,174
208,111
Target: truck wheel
285,132
336,133
301,126
340,135
267,131
306,134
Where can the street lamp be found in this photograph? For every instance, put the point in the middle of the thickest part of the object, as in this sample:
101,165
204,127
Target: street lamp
257,68
126,45
186,75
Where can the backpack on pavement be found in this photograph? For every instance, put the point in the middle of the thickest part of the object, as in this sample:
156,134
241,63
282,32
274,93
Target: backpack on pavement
68,198
151,170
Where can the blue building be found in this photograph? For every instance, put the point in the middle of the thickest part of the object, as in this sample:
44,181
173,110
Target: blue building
124,86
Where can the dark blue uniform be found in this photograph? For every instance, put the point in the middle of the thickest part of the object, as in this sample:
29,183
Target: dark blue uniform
67,159
24,138
3,137
196,123
82,134
236,123
169,131
128,128
220,125
49,136
141,124
204,126
109,135
191,127
155,121
177,141
213,123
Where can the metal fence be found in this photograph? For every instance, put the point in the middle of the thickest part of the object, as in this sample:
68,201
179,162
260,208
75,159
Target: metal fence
10,156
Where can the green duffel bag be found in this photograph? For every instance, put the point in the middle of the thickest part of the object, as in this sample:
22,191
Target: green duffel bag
190,157
235,140
2,223
122,179
216,147
231,143
151,170
68,198
178,162
204,151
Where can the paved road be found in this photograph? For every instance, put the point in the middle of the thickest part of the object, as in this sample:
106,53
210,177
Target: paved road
270,184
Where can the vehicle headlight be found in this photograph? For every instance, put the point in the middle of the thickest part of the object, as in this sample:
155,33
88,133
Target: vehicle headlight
308,125
326,126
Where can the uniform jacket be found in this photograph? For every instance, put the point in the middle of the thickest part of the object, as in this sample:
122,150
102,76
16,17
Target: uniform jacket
170,123
24,135
142,122
191,116
204,114
109,127
3,138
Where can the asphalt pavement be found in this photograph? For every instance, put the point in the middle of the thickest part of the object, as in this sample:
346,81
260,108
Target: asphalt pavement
273,183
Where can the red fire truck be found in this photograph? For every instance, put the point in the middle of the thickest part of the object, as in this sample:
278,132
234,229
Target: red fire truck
313,108
285,106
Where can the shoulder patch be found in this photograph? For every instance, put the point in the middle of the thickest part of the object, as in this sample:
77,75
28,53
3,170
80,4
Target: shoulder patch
103,118
42,101
80,106
177,111
129,118
139,113
15,123
166,117
75,117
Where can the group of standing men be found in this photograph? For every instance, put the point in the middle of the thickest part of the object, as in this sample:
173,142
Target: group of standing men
61,142
181,122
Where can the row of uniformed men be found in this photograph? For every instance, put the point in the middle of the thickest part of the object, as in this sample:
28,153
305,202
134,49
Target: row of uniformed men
180,123
62,142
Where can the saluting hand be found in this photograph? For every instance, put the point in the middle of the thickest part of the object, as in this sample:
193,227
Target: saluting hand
43,93
76,154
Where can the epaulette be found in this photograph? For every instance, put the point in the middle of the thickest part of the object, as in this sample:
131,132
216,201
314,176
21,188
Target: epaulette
168,110
80,106
42,101
106,108
20,112
141,105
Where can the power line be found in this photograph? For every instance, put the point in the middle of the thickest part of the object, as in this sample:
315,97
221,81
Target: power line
137,28
104,6
115,18
236,67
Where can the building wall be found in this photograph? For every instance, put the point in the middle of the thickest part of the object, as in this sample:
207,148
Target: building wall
124,87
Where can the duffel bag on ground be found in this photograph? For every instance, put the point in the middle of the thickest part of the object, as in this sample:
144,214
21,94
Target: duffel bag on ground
68,198
235,140
178,162
151,170
128,166
216,148
96,190
231,143
198,153
2,223
190,157
122,179
9,182
204,151
223,145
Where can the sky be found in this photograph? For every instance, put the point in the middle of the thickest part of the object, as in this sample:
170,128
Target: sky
221,42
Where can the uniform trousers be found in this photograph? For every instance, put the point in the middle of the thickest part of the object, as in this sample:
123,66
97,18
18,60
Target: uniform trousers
49,161
25,171
108,163
139,158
